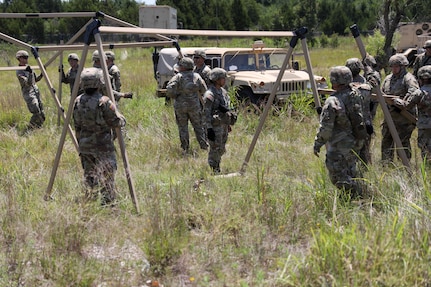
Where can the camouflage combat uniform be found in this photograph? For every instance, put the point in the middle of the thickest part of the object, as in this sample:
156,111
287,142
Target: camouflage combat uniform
95,116
403,85
70,76
31,95
203,70
117,95
186,88
217,120
423,102
114,72
422,59
341,126
364,85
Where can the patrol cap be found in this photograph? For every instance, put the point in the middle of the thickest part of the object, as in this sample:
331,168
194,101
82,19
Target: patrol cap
186,63
355,65
216,74
91,78
73,56
200,53
340,75
427,44
398,59
424,72
21,53
110,55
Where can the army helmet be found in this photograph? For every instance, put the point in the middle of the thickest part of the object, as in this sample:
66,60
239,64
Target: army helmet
186,63
340,75
200,53
110,55
398,60
96,56
73,56
91,78
21,53
355,65
216,74
427,44
424,72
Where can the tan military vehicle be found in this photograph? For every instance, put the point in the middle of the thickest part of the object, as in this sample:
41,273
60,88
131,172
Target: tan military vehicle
252,71
412,38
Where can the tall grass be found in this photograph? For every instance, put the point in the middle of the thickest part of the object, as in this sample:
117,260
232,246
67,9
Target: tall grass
280,224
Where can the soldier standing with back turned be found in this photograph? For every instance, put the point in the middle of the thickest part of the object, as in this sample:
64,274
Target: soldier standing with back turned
341,127
187,88
95,116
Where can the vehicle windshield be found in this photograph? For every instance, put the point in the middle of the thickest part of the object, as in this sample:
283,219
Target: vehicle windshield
253,61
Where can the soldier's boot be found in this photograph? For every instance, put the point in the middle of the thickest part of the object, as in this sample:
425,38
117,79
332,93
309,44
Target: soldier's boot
216,168
36,121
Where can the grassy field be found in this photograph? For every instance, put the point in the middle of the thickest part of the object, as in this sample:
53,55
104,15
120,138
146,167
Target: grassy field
280,224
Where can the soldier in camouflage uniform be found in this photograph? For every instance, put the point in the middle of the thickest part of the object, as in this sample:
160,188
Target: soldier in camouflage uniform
355,65
70,76
218,117
341,127
117,94
403,84
365,87
187,88
30,91
423,102
200,67
95,116
114,71
422,59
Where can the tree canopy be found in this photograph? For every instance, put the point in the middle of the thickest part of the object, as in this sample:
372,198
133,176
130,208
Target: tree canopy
322,16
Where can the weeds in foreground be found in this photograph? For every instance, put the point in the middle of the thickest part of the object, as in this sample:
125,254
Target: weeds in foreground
280,224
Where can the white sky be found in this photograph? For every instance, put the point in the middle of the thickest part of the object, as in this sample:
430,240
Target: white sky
147,2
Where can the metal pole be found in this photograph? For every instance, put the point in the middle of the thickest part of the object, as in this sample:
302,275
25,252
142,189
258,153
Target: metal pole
268,105
401,152
48,193
60,86
117,130
316,97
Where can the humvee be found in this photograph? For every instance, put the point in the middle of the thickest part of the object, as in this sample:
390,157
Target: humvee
412,38
252,71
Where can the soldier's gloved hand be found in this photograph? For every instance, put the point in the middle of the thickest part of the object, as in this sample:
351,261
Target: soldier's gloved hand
60,68
38,78
223,109
399,103
211,134
370,129
128,95
28,69
316,150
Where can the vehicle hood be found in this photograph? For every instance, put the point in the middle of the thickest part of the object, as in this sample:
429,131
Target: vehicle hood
270,76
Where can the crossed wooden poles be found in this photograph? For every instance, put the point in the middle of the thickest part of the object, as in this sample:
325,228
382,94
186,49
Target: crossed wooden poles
91,30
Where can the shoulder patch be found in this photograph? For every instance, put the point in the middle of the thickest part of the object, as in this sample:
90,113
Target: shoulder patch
210,97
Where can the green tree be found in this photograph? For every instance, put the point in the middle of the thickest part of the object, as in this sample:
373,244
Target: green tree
239,15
